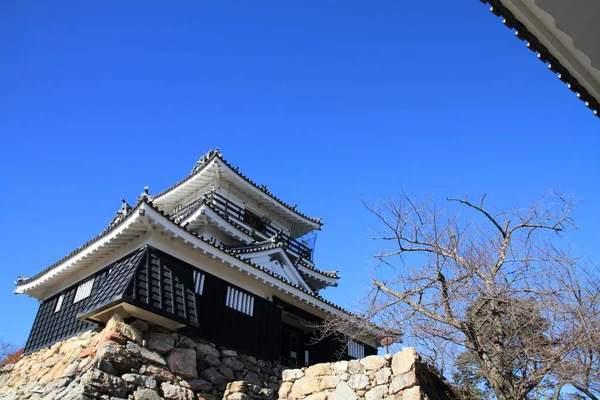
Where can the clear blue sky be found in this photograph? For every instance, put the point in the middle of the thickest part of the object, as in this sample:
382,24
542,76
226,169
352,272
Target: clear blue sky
325,102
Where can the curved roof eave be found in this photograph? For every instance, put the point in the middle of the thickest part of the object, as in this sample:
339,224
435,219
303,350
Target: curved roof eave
23,284
544,55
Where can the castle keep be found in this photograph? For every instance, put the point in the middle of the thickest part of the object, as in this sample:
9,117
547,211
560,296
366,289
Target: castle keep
216,256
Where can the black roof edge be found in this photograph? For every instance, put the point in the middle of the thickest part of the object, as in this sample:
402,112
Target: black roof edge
511,22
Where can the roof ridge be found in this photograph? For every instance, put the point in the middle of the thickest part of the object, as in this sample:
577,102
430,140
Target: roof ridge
211,155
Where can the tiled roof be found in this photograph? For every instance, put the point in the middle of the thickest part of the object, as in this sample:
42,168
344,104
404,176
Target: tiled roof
120,273
188,210
213,154
148,202
112,226
254,247
533,44
331,274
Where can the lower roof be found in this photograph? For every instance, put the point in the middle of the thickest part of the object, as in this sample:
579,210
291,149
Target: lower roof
145,214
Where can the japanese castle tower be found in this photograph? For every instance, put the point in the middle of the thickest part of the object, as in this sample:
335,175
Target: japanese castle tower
214,255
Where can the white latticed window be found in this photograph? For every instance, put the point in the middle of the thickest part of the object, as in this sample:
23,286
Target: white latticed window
240,301
356,350
61,298
198,282
84,290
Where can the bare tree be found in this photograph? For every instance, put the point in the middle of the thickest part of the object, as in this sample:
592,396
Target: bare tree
490,283
9,353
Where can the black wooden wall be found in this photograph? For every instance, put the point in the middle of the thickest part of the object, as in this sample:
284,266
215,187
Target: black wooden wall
50,327
160,283
165,284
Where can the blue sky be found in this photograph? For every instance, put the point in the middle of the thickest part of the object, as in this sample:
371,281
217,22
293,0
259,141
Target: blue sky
325,102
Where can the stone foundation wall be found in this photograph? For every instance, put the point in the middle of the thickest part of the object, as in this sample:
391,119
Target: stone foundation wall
401,376
140,362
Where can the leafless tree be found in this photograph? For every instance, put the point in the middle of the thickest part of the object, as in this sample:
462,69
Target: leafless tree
492,283
8,353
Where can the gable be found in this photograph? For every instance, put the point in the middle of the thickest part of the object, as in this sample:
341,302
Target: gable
276,261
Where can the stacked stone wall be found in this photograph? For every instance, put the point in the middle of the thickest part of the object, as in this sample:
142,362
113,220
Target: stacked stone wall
401,376
140,362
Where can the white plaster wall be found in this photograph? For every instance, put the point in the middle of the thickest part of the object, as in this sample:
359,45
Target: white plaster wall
274,265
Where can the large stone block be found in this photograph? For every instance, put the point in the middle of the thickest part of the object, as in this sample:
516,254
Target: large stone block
160,374
213,376
146,394
318,369
341,366
118,356
383,376
372,363
233,364
285,389
117,325
104,383
358,381
197,385
344,392
414,393
145,354
183,362
403,381
253,378
291,375
206,349
404,361
161,342
355,367
186,342
377,393
305,386
329,382
174,392
140,380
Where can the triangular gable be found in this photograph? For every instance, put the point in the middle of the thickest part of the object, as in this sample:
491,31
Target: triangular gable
278,262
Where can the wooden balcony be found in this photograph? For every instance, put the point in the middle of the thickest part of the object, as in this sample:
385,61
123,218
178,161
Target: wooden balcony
258,223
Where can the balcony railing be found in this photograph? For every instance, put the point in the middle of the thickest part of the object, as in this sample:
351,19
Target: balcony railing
256,222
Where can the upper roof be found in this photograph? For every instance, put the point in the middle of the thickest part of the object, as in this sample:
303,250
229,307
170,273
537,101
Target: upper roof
212,165
565,36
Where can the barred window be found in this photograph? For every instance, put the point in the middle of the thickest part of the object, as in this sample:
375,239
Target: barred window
356,350
84,290
61,298
199,282
240,301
